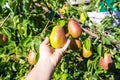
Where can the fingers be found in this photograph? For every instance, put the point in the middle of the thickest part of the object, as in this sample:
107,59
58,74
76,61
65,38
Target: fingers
66,45
57,55
46,41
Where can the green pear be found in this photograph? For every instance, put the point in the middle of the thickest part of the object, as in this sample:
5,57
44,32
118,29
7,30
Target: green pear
57,37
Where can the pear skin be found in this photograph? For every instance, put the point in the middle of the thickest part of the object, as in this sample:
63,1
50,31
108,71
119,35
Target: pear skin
57,37
106,61
3,39
74,28
75,44
32,57
86,53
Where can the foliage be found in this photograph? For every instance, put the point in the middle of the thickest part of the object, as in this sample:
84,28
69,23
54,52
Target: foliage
27,22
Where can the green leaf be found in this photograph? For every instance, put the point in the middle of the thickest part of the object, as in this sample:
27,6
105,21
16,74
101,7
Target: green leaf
89,65
103,40
94,77
99,49
2,55
107,40
13,67
37,42
117,65
87,43
22,61
64,76
117,58
112,51
7,32
2,2
37,57
61,23
16,20
62,67
99,71
25,41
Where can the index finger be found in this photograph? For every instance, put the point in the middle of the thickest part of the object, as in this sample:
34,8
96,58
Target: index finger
66,45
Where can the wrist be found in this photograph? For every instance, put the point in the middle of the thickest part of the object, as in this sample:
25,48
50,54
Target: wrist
46,68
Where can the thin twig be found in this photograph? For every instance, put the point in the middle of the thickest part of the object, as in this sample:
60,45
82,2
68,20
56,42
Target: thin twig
5,20
111,13
90,33
46,9
115,19
45,27
40,6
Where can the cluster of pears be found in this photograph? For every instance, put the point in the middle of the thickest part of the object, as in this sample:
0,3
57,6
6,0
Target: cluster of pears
58,37
75,30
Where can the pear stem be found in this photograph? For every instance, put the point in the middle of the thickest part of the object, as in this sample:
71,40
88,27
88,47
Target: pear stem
67,34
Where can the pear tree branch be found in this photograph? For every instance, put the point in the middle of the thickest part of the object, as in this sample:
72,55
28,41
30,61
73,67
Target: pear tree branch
40,6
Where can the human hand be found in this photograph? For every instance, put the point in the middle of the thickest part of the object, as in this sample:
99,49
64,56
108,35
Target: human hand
47,62
48,53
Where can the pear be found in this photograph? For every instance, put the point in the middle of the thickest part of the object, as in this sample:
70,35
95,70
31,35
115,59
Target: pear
74,28
57,37
86,53
3,39
106,61
75,44
32,57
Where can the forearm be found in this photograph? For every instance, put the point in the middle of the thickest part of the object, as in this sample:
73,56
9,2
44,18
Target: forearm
42,71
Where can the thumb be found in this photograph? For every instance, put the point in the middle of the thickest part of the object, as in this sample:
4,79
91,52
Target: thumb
66,45
57,55
46,41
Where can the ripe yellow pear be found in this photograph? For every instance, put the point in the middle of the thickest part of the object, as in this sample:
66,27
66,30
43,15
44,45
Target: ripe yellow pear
57,37
83,17
86,53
